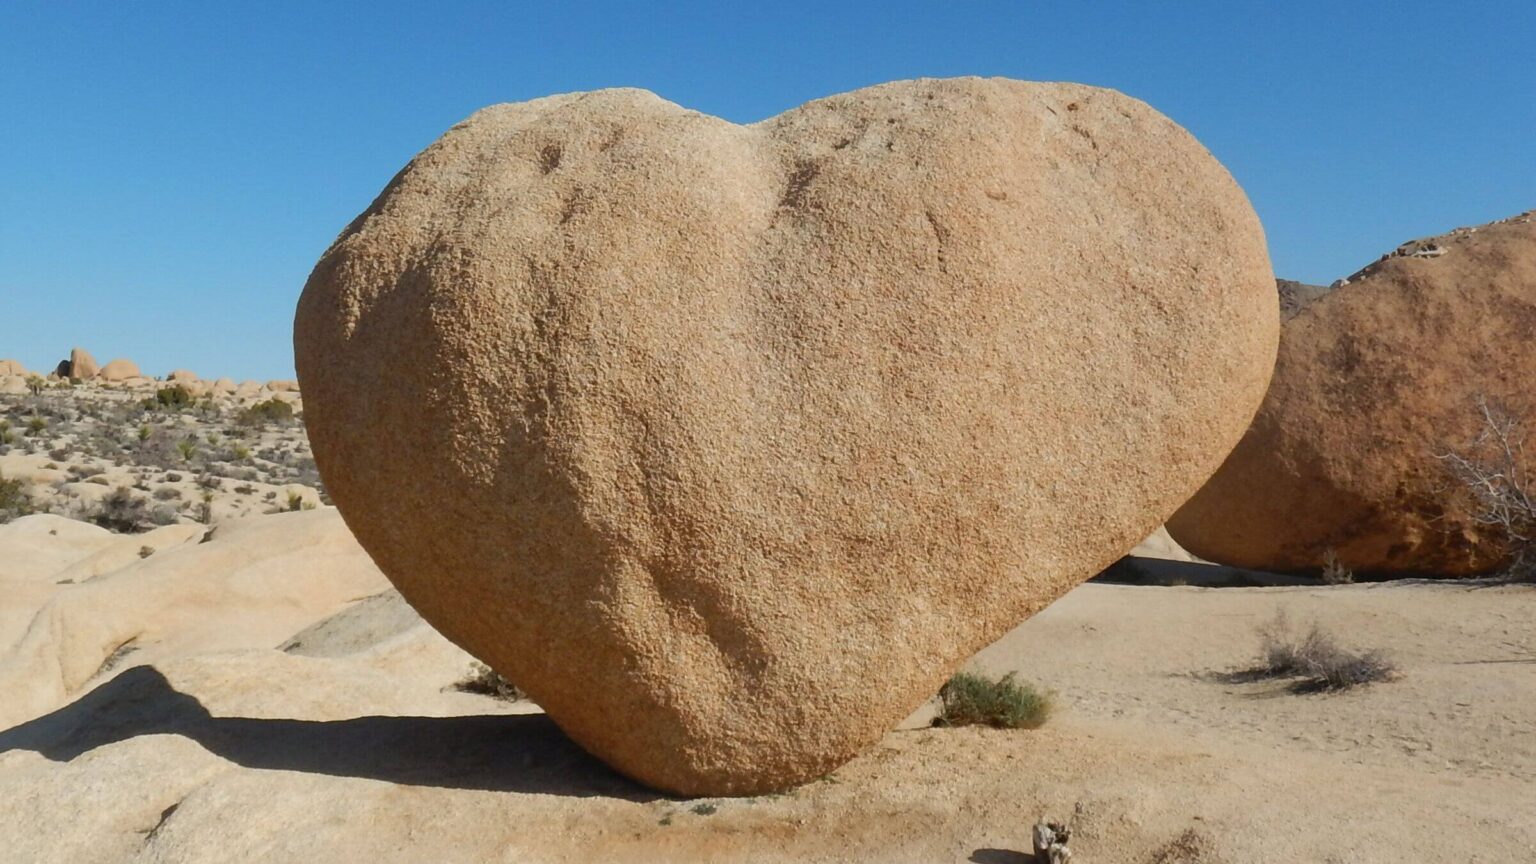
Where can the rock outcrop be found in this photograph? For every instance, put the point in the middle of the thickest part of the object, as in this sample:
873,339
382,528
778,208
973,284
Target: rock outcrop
120,370
1374,382
729,443
82,365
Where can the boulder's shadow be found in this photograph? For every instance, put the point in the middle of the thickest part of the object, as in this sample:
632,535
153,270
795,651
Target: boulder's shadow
497,752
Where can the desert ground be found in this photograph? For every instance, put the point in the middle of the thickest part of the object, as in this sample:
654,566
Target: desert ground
248,687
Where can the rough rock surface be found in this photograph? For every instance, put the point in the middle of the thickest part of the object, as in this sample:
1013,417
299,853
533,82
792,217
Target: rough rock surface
1373,382
729,443
120,370
82,365
13,367
1295,296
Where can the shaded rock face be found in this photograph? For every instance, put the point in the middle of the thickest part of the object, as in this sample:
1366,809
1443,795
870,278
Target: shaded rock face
729,443
1296,296
1373,382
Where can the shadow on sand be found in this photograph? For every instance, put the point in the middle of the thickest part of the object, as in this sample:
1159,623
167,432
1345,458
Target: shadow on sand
495,752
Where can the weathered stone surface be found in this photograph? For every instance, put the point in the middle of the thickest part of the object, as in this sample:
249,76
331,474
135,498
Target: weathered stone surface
82,365
1374,380
728,443
181,376
13,367
120,370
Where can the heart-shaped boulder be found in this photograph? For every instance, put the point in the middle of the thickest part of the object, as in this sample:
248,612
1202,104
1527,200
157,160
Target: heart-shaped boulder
729,443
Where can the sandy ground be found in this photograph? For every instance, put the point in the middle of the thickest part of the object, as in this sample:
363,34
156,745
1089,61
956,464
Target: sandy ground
263,697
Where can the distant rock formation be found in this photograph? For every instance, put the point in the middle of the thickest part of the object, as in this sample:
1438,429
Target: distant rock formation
1296,296
82,365
882,377
1373,381
120,370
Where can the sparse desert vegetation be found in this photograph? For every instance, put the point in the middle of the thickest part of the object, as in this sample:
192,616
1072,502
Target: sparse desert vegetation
969,699
1312,659
131,458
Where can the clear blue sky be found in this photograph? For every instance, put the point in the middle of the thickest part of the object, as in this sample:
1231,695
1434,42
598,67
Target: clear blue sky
170,171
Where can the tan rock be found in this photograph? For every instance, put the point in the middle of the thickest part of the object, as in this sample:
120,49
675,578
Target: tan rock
120,371
12,367
12,385
247,389
82,365
223,386
282,386
1373,380
181,376
729,443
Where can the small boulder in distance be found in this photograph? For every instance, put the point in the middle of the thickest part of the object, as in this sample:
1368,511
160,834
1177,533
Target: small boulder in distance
120,370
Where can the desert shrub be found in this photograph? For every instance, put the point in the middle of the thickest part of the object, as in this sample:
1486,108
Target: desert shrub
1315,660
78,473
164,514
270,411
166,493
1491,468
146,551
245,489
486,681
120,511
1003,703
144,432
174,398
36,384
36,425
14,501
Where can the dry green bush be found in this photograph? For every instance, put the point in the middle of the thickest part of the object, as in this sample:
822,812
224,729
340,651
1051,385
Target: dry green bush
968,699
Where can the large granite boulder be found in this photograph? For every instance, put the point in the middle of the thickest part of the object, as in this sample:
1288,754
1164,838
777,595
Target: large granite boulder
82,365
730,443
1376,382
120,370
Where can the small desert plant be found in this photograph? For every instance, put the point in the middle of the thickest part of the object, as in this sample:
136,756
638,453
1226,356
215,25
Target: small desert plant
1334,572
14,501
120,511
270,411
1492,470
144,432
173,398
205,511
166,493
486,681
36,383
187,448
1314,659
1004,703
36,425
240,452
295,502
146,551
